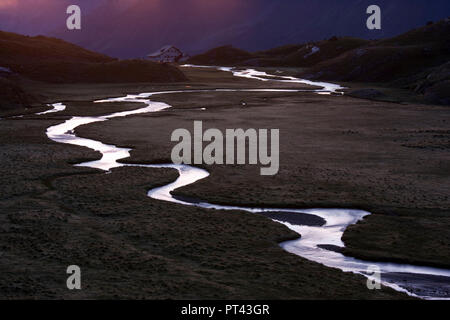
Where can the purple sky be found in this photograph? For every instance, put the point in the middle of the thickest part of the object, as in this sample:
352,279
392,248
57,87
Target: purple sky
134,28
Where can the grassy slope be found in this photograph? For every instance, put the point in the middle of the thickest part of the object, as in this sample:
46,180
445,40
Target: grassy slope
300,55
416,60
389,59
53,60
12,95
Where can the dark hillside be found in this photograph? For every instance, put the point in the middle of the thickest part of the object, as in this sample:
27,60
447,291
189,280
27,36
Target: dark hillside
222,56
53,60
417,60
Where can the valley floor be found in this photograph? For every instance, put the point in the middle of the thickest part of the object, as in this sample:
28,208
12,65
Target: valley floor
335,151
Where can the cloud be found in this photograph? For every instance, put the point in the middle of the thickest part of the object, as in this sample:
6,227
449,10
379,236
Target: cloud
7,4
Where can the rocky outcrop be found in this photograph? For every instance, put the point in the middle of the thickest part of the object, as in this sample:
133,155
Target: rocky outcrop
436,86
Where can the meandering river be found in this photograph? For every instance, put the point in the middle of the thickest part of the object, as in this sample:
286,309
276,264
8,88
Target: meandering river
418,281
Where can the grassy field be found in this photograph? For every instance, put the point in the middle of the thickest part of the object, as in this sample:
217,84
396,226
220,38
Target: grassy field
335,152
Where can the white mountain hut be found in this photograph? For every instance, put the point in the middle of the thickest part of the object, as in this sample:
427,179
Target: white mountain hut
167,54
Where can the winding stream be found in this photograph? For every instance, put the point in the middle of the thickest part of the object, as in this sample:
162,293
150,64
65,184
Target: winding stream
423,282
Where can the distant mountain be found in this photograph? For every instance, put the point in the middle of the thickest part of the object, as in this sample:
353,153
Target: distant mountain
418,60
295,55
222,56
136,28
390,59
